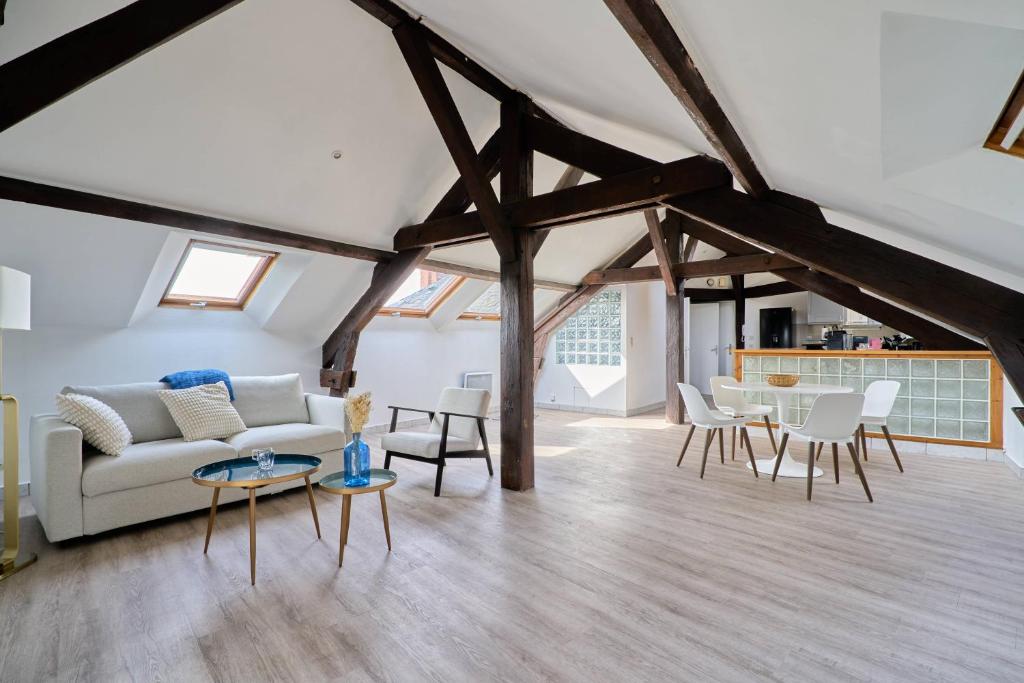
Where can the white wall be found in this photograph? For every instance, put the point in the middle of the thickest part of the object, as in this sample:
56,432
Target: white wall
40,362
407,361
645,345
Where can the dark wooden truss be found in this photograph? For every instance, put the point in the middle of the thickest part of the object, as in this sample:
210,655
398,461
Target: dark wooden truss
760,229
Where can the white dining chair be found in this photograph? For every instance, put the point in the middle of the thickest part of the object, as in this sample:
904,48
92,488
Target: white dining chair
879,398
833,419
710,420
734,403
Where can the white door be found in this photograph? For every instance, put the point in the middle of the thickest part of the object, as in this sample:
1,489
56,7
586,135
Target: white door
701,345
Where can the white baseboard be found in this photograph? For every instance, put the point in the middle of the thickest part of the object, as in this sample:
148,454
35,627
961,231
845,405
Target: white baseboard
423,421
22,490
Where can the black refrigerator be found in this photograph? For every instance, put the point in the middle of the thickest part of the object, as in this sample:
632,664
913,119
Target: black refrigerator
776,328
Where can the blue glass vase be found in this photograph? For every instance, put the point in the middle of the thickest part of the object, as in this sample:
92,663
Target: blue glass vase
357,462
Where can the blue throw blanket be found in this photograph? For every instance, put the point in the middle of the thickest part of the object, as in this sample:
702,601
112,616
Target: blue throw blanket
195,378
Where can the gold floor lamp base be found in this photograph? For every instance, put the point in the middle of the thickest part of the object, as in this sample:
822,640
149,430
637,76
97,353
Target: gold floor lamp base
9,559
11,568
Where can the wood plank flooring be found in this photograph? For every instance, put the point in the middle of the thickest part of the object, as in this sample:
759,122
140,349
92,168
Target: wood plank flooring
617,567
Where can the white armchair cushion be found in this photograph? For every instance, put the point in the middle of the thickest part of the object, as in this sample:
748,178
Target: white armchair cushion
465,402
423,444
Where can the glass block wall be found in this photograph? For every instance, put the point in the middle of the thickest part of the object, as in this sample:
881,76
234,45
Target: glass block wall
947,399
594,335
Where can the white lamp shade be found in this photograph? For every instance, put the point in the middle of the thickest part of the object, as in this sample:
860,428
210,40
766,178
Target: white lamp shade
15,299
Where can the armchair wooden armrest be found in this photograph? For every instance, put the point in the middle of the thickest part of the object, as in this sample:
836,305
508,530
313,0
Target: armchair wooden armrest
394,415
471,417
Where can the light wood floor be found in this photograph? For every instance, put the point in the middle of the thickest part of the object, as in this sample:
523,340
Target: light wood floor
617,567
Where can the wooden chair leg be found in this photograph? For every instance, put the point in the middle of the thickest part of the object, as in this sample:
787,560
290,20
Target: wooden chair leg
817,456
721,444
810,468
744,437
778,460
864,443
771,434
732,455
860,472
686,444
437,480
835,460
892,447
490,467
707,446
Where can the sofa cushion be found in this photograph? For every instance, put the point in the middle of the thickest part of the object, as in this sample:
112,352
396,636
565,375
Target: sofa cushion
145,464
424,444
203,412
102,428
294,438
138,405
273,400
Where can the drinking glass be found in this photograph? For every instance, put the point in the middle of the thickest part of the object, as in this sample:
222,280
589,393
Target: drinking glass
264,458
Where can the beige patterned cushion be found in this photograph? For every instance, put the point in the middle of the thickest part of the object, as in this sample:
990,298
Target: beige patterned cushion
203,412
101,426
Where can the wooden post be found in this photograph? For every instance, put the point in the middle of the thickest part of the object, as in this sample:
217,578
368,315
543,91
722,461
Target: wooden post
674,342
517,333
740,314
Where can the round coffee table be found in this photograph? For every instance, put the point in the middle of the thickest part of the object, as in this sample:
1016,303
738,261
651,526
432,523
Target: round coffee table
379,480
243,473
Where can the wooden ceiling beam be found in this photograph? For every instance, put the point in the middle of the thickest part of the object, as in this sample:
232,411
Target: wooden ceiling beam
968,302
623,193
709,296
582,151
16,190
721,267
392,16
650,29
661,253
412,40
50,72
932,335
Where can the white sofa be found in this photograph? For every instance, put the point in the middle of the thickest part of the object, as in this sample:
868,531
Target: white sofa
79,491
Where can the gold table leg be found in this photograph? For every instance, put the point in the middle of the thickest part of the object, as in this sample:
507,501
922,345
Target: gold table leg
252,535
384,513
9,558
312,506
346,513
213,516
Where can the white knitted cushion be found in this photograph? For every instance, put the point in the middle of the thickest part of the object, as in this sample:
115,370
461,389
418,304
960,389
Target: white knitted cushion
203,412
101,426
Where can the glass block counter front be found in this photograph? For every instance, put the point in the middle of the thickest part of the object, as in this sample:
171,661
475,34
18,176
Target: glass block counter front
945,397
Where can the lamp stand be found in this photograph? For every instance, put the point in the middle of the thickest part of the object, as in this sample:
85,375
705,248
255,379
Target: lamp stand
9,559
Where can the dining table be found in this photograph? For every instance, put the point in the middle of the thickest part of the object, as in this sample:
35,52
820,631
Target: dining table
784,399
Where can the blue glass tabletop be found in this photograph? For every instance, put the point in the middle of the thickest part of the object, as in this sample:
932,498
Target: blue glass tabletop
379,479
245,472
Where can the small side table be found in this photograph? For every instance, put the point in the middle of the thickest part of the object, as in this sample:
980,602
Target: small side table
379,480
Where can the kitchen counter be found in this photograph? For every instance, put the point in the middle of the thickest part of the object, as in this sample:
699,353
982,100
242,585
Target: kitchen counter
946,397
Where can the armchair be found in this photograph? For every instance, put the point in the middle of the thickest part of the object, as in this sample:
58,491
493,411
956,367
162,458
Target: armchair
456,431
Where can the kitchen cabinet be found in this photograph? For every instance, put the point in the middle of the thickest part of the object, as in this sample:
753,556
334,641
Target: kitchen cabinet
855,319
821,311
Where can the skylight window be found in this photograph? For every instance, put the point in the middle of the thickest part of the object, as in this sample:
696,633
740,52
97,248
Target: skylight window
421,293
1008,134
217,276
487,306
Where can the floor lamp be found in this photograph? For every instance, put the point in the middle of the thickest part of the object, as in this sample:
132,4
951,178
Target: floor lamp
15,297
